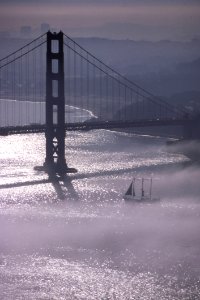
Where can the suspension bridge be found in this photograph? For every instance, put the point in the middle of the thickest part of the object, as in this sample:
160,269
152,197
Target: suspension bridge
53,85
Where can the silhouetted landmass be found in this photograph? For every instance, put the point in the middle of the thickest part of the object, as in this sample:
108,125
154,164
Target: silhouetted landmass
182,78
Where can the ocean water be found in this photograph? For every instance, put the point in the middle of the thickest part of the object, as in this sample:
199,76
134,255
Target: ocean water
76,238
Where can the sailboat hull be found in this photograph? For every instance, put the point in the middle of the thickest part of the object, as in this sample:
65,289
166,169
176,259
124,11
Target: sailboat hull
130,198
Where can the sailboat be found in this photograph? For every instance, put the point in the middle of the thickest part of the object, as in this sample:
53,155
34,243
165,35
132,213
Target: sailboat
130,194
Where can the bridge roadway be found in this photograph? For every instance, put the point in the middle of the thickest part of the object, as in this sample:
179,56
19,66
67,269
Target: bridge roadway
85,126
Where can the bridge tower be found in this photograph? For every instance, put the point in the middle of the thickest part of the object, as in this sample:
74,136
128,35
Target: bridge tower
55,106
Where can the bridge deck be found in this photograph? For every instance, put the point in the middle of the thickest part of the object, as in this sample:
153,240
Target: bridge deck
39,128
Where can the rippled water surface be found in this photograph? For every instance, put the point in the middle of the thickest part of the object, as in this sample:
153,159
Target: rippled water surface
75,238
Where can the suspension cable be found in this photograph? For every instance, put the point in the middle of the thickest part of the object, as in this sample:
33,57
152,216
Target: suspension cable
20,49
154,100
21,55
171,107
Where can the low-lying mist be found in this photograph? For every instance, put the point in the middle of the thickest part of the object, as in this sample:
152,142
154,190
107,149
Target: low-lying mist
160,237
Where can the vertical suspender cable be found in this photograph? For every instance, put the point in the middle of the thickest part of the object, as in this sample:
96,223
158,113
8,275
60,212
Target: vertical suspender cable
125,103
40,83
137,104
100,91
26,80
75,104
112,96
107,98
81,82
28,90
87,76
0,96
69,79
34,87
119,103
95,83
11,95
6,115
20,87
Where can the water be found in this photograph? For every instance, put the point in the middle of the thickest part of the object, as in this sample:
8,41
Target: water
20,113
77,239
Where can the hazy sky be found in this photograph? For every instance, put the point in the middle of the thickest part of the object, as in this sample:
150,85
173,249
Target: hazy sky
144,19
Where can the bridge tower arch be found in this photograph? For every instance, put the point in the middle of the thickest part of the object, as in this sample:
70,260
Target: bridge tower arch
55,106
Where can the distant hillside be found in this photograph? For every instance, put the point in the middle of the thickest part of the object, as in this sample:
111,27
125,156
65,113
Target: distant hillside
193,66
164,68
142,56
184,77
189,99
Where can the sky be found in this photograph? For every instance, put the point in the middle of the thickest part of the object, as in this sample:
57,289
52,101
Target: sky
127,19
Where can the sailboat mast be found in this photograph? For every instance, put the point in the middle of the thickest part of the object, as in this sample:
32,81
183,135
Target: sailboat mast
142,187
150,188
133,191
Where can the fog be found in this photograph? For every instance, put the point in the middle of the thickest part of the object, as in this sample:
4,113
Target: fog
160,237
168,20
76,238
